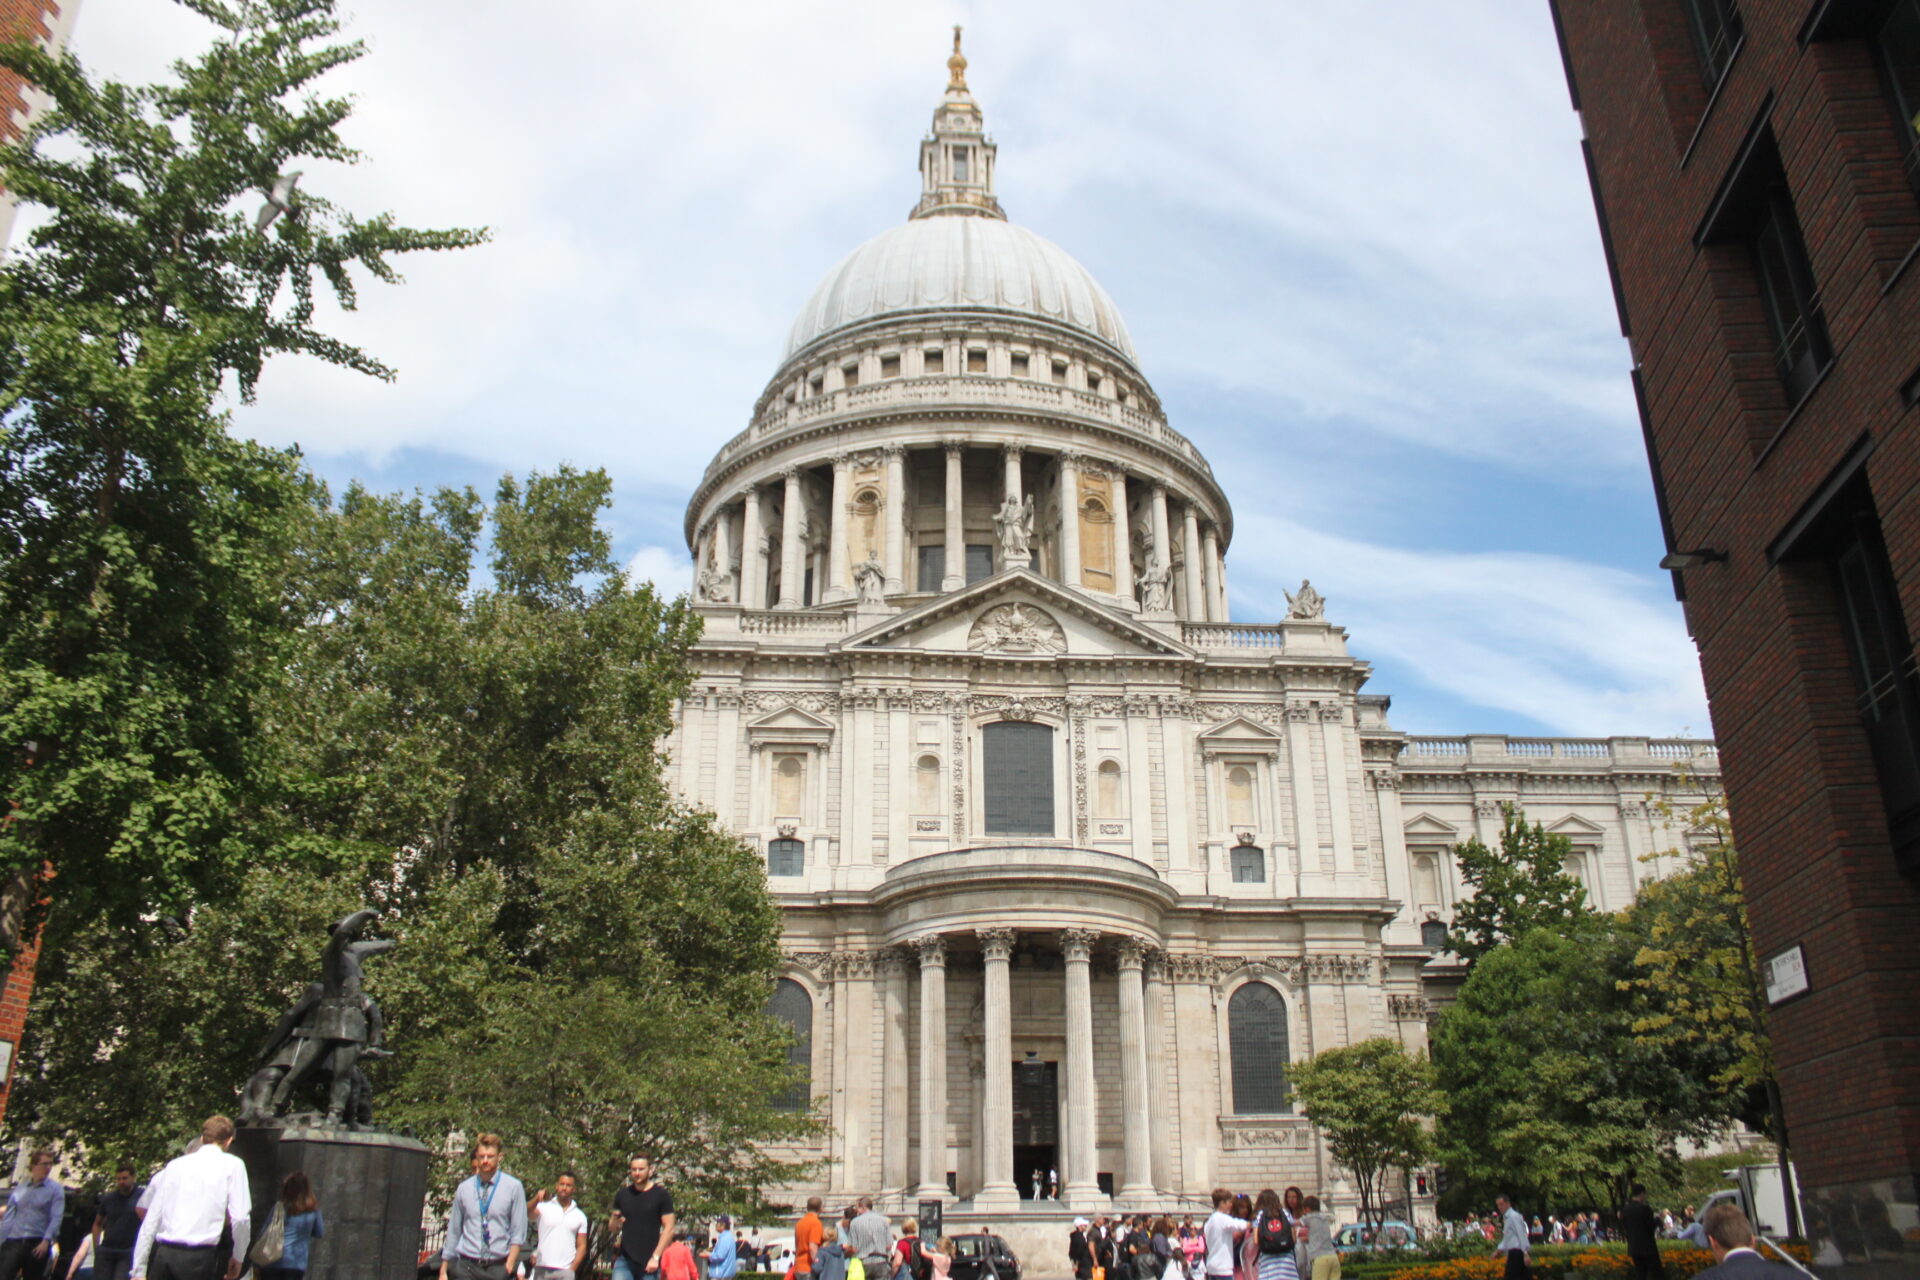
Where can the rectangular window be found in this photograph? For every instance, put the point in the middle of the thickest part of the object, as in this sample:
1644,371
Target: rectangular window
1897,43
816,384
935,361
1019,364
1802,349
979,562
850,375
1017,756
933,567
889,366
1093,382
960,166
1883,665
1060,371
1716,29
976,361
1249,864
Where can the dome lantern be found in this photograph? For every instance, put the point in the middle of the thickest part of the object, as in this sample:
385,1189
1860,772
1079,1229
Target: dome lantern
957,158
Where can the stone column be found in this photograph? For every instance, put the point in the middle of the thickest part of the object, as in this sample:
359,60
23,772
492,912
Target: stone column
1070,519
1220,576
955,575
1083,1184
1122,541
1210,574
1195,608
1162,539
792,566
753,552
1013,488
837,559
996,1109
1159,1089
896,518
723,547
1136,1179
933,1067
894,1132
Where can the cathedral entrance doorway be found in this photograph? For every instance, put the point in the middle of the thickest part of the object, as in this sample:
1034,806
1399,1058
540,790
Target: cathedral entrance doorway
1036,1128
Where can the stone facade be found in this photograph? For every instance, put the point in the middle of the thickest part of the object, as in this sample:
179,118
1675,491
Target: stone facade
1036,809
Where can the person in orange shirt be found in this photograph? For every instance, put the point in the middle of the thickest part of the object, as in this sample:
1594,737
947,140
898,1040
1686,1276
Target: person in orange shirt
676,1260
806,1240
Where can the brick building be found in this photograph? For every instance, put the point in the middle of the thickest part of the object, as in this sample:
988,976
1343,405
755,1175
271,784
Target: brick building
1757,180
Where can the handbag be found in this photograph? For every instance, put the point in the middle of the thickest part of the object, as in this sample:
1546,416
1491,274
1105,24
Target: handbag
273,1239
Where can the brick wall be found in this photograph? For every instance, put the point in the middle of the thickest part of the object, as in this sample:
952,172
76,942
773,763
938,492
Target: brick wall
30,18
1737,464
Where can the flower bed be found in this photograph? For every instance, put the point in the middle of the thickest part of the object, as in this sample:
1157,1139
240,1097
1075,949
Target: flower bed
1576,1263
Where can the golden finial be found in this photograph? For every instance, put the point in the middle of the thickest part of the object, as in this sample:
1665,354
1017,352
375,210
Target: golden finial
957,64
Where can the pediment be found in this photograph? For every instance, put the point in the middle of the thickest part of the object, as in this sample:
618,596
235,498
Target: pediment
790,724
1239,734
1018,614
1575,825
1425,824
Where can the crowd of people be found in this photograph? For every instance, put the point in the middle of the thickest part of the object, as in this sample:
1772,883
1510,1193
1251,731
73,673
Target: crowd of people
1265,1237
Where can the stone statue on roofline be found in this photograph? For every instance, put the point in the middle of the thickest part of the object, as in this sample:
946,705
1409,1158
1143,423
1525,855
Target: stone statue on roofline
1156,585
870,580
1306,604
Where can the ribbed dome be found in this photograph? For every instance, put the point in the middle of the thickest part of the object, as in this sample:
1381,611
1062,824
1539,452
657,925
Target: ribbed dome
960,263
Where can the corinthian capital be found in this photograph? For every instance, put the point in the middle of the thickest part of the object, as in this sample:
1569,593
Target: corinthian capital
1077,944
996,943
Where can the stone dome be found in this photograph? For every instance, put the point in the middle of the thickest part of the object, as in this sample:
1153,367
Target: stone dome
963,264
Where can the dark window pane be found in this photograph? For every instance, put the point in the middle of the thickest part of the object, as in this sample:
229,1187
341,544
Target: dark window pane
979,562
1257,1040
1249,864
933,567
1018,761
1716,29
793,1006
1801,347
1898,43
1883,664
786,858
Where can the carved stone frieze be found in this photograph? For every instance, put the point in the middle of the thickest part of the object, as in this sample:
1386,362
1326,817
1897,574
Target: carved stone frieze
1267,1135
1409,1008
1077,706
1384,779
1018,707
1132,953
809,700
819,962
1258,712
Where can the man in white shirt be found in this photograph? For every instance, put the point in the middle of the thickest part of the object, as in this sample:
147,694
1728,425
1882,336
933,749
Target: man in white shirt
1219,1233
1513,1241
193,1200
560,1232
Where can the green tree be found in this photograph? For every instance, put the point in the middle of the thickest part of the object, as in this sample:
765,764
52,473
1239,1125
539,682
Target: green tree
1549,1092
1373,1102
142,549
1522,886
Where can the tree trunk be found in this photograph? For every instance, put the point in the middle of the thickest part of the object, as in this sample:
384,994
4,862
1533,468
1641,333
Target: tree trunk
1778,1113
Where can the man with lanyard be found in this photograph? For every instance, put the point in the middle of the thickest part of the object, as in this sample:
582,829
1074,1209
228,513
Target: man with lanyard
560,1232
1730,1236
1513,1241
195,1202
643,1218
31,1221
488,1222
116,1225
723,1262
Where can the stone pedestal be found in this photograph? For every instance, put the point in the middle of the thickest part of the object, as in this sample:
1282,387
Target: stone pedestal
372,1188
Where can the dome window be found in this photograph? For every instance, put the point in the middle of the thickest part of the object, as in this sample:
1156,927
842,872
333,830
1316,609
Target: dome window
1093,382
936,360
1019,364
976,360
816,384
850,375
961,165
1060,371
890,366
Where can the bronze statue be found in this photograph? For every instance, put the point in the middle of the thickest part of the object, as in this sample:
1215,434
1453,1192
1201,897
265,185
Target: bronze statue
326,1034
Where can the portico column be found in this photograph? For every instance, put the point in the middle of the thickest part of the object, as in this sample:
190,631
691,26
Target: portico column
837,530
1070,519
1158,1089
1122,541
1196,608
1083,1183
896,518
791,566
894,1134
1210,573
933,1067
723,547
753,552
955,575
1136,1179
1162,541
1012,488
996,1112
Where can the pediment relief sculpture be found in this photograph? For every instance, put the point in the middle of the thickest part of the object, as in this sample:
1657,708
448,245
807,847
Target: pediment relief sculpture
1016,628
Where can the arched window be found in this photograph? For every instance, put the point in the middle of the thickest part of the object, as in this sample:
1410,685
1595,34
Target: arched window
1110,801
1240,797
1017,759
926,785
1249,864
1257,1040
792,1005
786,857
1426,880
789,785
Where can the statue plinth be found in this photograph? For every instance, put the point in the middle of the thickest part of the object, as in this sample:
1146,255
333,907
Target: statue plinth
372,1188
1016,559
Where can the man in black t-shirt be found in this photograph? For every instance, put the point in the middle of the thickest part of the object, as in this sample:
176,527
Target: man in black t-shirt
643,1217
116,1225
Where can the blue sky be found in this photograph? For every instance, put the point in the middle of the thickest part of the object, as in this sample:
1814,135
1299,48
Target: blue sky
1353,243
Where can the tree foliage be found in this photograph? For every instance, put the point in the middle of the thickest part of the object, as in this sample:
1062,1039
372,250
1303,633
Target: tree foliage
142,549
1522,886
1372,1102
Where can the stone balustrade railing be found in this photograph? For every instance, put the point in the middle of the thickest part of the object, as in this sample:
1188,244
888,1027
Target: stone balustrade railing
946,390
1267,637
1500,747
793,622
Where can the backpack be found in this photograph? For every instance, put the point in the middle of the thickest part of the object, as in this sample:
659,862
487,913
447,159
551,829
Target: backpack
1275,1234
918,1267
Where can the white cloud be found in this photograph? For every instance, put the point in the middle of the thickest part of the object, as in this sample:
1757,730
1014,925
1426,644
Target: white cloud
670,571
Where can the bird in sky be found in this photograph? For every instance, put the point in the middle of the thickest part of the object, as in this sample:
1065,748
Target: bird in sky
279,200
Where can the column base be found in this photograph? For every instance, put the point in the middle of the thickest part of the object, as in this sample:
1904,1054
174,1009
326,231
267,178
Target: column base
999,1199
1084,1199
1131,1198
938,1192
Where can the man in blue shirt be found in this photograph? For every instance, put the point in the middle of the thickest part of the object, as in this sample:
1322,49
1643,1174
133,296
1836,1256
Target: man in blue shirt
723,1262
31,1221
488,1222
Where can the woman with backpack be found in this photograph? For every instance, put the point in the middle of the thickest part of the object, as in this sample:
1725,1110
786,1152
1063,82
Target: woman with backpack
1274,1238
